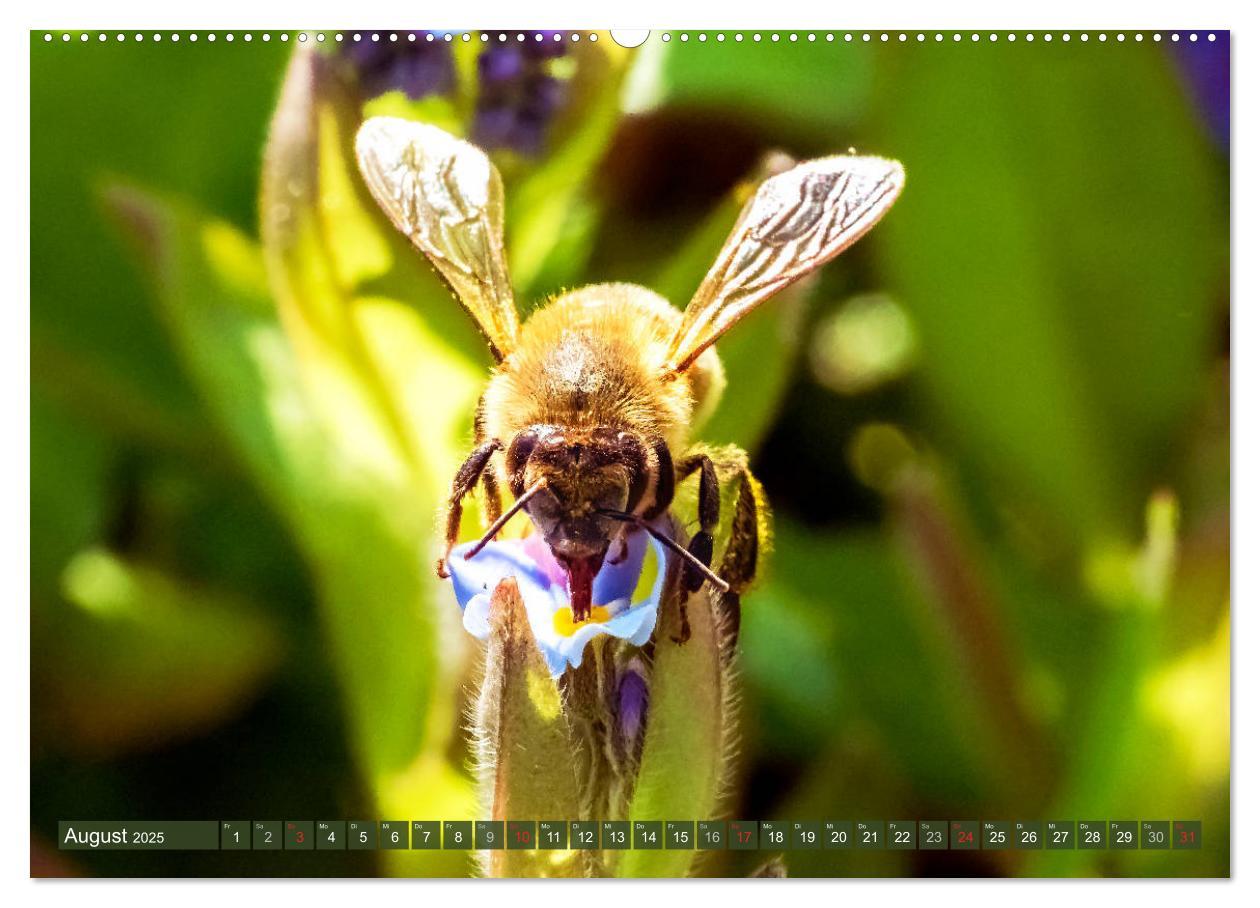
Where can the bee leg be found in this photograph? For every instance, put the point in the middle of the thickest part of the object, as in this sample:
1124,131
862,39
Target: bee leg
709,507
739,561
701,544
465,480
492,504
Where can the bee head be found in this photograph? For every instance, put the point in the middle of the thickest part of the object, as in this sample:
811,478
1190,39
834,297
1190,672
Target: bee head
583,474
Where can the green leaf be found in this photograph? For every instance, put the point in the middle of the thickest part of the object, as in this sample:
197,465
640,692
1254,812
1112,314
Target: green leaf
1060,245
523,742
185,117
550,219
689,737
894,663
140,659
340,488
813,91
68,492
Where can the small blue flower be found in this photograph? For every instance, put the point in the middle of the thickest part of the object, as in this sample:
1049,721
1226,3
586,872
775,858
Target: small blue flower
542,585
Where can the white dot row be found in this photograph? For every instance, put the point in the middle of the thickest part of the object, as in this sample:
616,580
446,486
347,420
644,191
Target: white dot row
503,37
941,36
336,36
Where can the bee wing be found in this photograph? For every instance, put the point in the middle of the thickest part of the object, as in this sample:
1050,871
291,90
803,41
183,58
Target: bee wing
795,222
447,198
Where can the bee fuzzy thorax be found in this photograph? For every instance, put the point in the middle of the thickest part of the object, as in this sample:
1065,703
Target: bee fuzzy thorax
592,358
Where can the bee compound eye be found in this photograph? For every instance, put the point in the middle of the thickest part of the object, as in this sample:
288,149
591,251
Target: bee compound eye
520,449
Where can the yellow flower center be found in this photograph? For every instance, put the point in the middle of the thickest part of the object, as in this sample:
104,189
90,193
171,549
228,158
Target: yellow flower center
565,626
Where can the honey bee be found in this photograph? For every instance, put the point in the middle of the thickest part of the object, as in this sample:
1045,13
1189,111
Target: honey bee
592,399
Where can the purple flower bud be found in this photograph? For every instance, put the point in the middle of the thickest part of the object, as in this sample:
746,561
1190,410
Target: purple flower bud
417,68
1205,67
517,97
500,64
632,703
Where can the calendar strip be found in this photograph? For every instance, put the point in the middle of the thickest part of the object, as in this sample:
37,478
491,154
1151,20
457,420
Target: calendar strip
621,835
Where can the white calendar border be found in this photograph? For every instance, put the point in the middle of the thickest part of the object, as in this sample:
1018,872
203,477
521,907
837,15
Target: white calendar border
781,15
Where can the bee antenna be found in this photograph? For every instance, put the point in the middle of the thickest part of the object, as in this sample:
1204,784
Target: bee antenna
507,515
671,544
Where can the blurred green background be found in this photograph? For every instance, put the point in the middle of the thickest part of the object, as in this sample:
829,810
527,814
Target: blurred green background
995,433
